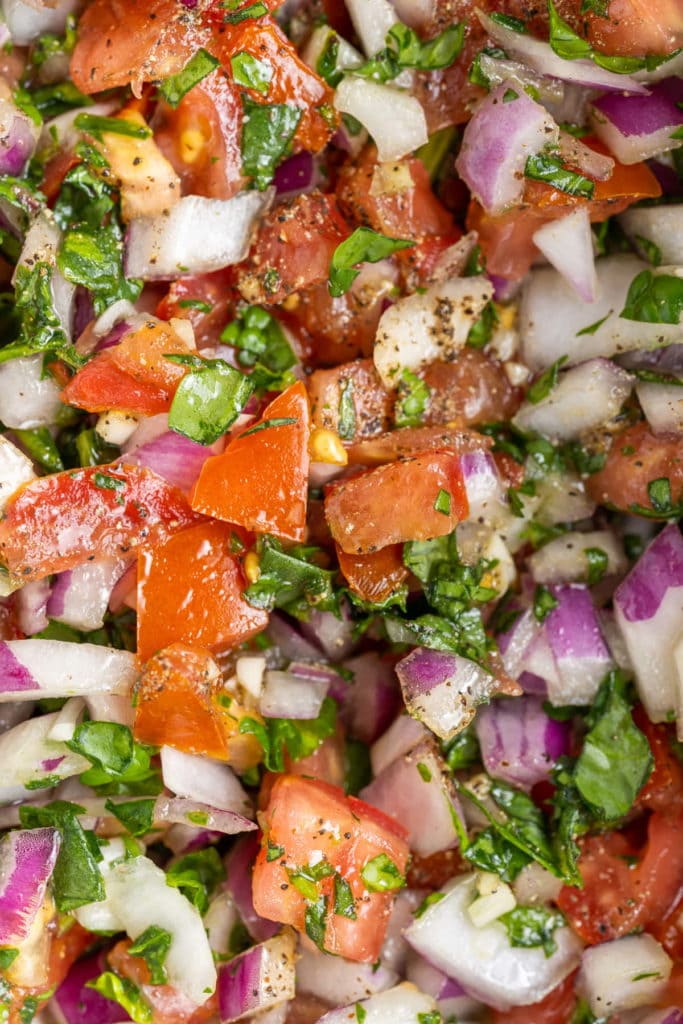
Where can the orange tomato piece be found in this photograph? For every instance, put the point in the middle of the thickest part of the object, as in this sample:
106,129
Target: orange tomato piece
419,497
102,385
372,403
376,576
142,352
59,521
376,451
190,589
636,457
261,479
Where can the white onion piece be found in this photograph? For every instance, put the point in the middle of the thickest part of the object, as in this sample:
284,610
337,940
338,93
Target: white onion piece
402,735
196,236
179,811
33,669
399,1005
27,21
577,154
30,604
538,55
394,118
16,469
498,70
102,916
534,885
449,994
27,399
550,317
219,921
339,981
430,326
623,974
347,58
395,949
662,405
140,898
585,397
14,713
80,596
564,560
288,696
662,225
482,959
485,490
28,755
41,243
416,13
67,719
107,708
567,244
203,779
372,19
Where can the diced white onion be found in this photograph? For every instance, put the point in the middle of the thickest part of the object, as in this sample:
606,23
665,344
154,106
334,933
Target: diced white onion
623,974
564,559
394,119
662,405
567,244
27,398
16,469
203,779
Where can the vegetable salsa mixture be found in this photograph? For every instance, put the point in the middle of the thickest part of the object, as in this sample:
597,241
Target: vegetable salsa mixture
341,464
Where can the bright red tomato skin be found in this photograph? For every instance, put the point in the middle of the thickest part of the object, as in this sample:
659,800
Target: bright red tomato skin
216,290
306,816
396,503
58,521
102,385
261,479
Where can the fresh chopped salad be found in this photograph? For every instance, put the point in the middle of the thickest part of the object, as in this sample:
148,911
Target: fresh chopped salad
341,471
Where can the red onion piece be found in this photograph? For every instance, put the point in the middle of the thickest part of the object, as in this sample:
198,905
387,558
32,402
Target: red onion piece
519,742
18,136
80,596
176,458
668,1016
32,669
203,779
27,860
76,1004
500,137
402,735
239,866
372,697
192,812
443,690
450,996
639,127
648,608
258,979
32,606
295,175
289,641
334,634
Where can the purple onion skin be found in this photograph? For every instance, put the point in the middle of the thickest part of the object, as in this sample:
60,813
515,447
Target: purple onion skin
239,985
424,669
15,677
238,867
81,1005
16,148
296,174
27,861
644,115
519,742
658,568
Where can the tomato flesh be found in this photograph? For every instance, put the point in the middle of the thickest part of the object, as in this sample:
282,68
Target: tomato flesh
371,402
376,576
636,457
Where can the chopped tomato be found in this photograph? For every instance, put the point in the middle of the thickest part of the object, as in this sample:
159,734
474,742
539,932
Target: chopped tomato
142,352
420,262
168,1005
557,1008
447,96
376,576
356,386
664,787
339,328
313,823
421,496
474,388
635,27
206,300
212,612
376,451
66,945
58,521
636,457
261,479
435,871
293,248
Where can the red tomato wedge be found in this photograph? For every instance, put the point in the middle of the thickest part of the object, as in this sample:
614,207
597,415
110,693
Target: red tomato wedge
211,612
376,451
306,818
261,479
372,403
374,577
636,457
59,521
420,497
206,300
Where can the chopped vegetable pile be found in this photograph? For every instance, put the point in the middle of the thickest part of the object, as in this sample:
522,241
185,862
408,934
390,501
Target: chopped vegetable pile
341,471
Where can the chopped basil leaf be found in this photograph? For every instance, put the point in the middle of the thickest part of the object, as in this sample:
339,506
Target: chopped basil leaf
344,903
507,21
651,252
427,902
544,602
267,132
361,1013
197,68
250,72
290,578
262,345
8,955
510,95
650,377
125,993
198,304
597,564
531,927
208,399
659,493
476,73
547,381
463,750
481,332
363,246
443,502
424,772
297,737
433,1017
256,10
654,299
326,65
551,170
137,816
380,874
153,946
491,851
52,100
599,7
274,852
592,328
315,921
97,126
405,49
346,427
93,258
76,879
40,445
277,421
197,875
40,329
120,765
411,400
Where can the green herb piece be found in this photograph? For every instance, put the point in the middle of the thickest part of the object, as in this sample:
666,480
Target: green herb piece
597,564
433,1017
363,246
93,258
427,902
544,602
120,765
262,345
424,772
546,383
137,816
583,459
200,65
197,875
531,927
274,852
412,399
344,903
253,11
267,132
361,1013
405,49
592,328
599,7
481,332
551,170
380,874
290,579
491,851
616,759
649,377
507,21
97,126
654,299
463,750
277,421
346,426
251,73
651,252
570,46
208,399
443,502
8,955
659,493
76,879
436,149
24,101
153,946
326,65
315,921
296,737
125,993
40,445
198,304
40,329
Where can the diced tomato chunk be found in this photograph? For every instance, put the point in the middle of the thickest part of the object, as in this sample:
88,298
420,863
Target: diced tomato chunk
313,823
358,386
343,327
376,576
474,388
206,300
636,457
102,385
376,451
58,521
420,497
211,611
261,479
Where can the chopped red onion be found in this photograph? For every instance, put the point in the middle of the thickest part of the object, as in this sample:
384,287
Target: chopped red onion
75,1003
197,235
402,735
449,994
203,779
174,457
636,128
648,608
661,225
577,154
668,1016
417,791
185,839
519,742
582,658
80,596
32,669
177,810
403,1004
31,603
258,979
295,175
27,860
443,690
18,137
238,868
339,981
289,641
498,140
286,695
332,633
372,697
623,974
567,244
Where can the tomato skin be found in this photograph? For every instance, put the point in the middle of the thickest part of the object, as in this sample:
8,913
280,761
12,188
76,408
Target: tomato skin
472,389
303,816
397,444
340,328
168,1005
664,788
557,1008
58,521
293,248
376,576
216,290
102,385
395,503
212,613
636,457
261,479
372,403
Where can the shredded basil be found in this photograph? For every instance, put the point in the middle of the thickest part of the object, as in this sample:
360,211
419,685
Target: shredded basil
125,993
208,399
197,875
251,73
381,874
654,299
290,579
174,88
153,946
531,927
267,133
363,246
76,879
551,170
296,737
97,126
412,399
405,49
547,381
570,46
137,816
